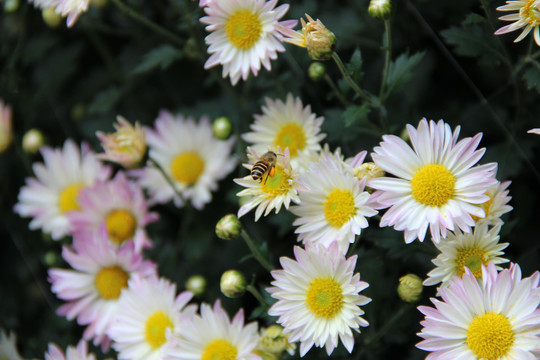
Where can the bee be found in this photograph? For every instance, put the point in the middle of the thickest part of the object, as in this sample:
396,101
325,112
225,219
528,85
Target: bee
265,166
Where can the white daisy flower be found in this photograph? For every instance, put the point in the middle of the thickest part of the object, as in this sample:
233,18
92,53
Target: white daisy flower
212,335
496,206
72,353
119,203
243,35
92,289
318,298
269,192
148,315
466,250
288,125
527,16
53,193
8,346
190,156
436,183
70,8
496,318
333,204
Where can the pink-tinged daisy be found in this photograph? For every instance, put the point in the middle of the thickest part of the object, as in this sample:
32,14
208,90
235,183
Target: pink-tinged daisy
53,193
243,35
288,125
496,206
318,298
70,8
190,156
6,126
8,346
333,203
527,16
466,250
72,353
213,335
494,318
269,192
436,183
92,289
149,315
119,203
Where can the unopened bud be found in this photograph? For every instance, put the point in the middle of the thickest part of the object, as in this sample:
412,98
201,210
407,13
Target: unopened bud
50,17
228,227
233,283
380,9
6,126
196,284
316,71
50,258
32,140
368,171
320,42
222,128
11,6
273,342
410,288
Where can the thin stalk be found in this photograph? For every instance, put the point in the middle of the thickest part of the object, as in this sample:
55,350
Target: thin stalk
168,178
387,59
350,80
253,291
172,37
255,251
388,325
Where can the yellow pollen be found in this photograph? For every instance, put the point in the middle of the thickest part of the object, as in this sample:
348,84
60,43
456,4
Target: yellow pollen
433,185
471,257
67,201
219,349
291,135
490,336
155,329
243,29
324,297
187,167
121,225
110,281
530,12
339,207
277,184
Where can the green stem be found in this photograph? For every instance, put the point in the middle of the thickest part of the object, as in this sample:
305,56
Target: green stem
389,323
255,251
350,80
167,177
172,37
253,291
387,59
336,91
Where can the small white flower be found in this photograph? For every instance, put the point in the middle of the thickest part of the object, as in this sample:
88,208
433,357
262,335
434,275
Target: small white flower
527,16
70,8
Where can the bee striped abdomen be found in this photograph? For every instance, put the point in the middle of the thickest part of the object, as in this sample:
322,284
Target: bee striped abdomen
259,169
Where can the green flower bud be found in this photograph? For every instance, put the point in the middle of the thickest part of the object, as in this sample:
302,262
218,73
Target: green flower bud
316,71
233,283
380,9
410,288
32,140
228,227
11,6
196,284
50,258
50,17
222,128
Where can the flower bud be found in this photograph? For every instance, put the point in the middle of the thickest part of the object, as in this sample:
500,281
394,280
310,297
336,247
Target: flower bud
127,146
273,343
196,284
380,9
368,171
50,17
228,227
222,128
233,283
410,288
32,140
11,6
315,37
6,127
316,71
50,259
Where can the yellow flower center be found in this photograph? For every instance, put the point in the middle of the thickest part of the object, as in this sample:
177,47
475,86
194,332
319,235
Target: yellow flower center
339,207
276,185
324,297
530,12
67,201
155,327
110,281
121,225
219,349
490,336
291,135
187,167
433,185
471,257
243,29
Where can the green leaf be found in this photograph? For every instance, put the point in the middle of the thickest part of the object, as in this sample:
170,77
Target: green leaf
162,57
104,101
355,114
354,67
402,71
